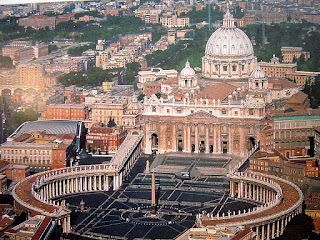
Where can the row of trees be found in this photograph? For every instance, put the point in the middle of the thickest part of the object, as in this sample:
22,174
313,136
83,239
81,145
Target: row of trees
77,51
109,28
285,34
93,77
17,118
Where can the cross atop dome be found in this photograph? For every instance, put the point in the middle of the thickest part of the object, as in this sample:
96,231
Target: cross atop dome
228,21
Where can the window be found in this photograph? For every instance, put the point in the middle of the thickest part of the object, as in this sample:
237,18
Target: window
154,109
224,112
234,68
251,111
225,68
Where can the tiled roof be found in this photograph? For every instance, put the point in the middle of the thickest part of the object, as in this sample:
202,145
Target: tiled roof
217,91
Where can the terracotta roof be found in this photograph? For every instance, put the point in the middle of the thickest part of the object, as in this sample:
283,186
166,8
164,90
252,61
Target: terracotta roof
281,82
242,234
299,96
3,164
170,81
217,91
44,224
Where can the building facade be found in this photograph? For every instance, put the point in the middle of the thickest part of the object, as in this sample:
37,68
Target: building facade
66,111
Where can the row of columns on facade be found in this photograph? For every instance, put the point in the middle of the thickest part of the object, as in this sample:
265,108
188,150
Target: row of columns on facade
78,184
209,68
275,228
90,182
132,160
85,183
252,191
216,142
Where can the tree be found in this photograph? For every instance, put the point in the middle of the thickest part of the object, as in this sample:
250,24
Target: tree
17,118
158,95
73,78
52,48
5,62
141,96
97,75
77,51
131,71
313,91
111,123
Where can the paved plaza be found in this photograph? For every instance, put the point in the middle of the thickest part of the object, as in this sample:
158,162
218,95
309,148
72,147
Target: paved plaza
125,214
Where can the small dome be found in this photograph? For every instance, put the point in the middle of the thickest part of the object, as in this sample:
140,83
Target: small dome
187,71
258,73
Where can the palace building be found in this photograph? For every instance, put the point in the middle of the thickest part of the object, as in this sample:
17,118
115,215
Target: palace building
222,112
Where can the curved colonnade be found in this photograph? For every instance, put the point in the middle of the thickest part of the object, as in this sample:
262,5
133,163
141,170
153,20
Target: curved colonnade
279,200
37,194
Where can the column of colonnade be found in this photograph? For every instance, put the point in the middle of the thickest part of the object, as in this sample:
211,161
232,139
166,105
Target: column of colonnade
77,184
267,230
251,191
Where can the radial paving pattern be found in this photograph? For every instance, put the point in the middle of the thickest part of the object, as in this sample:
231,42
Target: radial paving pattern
125,214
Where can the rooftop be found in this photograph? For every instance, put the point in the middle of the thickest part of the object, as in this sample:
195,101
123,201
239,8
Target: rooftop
48,126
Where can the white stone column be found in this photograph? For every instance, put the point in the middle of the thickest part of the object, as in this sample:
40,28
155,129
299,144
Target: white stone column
100,182
219,139
207,138
273,230
189,139
245,190
68,224
174,138
94,183
60,187
77,185
115,180
50,190
257,233
185,138
71,185
196,136
282,226
262,232
214,138
268,231
90,183
278,229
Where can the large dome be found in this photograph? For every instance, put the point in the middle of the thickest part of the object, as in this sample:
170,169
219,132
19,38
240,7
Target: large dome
229,54
229,40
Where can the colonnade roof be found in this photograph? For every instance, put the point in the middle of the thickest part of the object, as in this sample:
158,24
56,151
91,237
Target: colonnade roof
290,198
124,148
24,192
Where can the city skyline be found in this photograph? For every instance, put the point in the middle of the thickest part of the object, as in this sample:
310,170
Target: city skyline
11,2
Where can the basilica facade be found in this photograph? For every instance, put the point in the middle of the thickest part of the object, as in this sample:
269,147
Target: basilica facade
220,112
